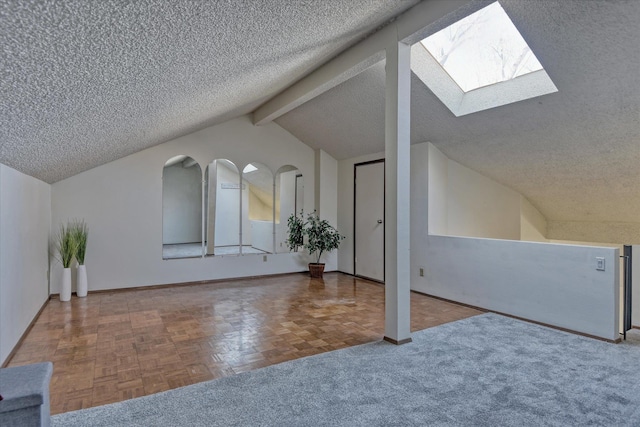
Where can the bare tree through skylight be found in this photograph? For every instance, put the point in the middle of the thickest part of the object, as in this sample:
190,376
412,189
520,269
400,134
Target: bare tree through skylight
482,49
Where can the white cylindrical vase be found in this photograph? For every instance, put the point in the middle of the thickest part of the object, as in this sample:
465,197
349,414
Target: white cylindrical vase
65,288
82,281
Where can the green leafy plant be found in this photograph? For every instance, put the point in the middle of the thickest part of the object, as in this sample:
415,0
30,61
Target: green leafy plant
65,244
320,236
295,237
80,233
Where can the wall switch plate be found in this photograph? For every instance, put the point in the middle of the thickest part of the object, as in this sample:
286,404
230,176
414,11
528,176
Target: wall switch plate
600,263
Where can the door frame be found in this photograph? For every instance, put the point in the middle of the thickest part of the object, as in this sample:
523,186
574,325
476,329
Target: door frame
295,197
355,185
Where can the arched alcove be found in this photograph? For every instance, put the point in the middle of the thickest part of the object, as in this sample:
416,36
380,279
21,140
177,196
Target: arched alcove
181,208
257,209
222,208
289,200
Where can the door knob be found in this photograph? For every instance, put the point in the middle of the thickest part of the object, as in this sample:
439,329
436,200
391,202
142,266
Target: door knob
379,221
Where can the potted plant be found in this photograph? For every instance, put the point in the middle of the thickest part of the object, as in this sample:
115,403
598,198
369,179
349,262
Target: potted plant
295,236
320,236
80,233
66,246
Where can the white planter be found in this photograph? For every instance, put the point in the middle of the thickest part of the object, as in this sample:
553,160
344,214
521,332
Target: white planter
82,281
65,288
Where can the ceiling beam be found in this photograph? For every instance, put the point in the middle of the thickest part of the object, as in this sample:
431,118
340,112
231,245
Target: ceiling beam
356,59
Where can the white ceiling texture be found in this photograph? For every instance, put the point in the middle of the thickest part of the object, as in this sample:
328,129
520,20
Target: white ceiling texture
83,83
574,154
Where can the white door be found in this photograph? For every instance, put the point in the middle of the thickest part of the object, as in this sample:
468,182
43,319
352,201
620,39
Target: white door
369,220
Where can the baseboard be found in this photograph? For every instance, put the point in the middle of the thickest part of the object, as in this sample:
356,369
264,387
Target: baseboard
24,335
198,282
377,282
345,273
396,342
571,331
484,310
616,341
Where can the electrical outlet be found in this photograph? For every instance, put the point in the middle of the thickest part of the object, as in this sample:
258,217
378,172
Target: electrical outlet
264,258
600,263
421,272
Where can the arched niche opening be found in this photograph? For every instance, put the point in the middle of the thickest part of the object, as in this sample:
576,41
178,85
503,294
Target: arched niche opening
289,198
222,208
257,209
181,208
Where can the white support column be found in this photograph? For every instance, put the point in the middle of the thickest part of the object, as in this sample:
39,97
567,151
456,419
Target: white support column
397,323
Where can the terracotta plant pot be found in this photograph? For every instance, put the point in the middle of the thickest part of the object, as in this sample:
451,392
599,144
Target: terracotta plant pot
316,270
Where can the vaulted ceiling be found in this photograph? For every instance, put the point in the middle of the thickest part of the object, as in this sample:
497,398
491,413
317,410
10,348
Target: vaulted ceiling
574,154
84,83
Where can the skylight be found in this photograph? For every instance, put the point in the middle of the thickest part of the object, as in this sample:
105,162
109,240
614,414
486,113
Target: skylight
480,62
482,49
249,168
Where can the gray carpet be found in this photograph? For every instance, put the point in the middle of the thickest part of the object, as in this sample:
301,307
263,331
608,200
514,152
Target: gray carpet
486,370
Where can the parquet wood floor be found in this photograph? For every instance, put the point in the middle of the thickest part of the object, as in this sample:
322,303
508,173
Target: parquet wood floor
118,345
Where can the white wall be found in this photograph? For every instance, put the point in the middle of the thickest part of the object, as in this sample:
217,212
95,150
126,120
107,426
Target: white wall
437,167
345,208
553,284
262,235
620,266
480,207
533,225
244,215
465,203
421,204
327,187
326,199
181,204
25,218
227,215
286,184
122,204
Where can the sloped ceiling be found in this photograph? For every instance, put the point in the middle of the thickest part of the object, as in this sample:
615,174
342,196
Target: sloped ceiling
83,82
574,154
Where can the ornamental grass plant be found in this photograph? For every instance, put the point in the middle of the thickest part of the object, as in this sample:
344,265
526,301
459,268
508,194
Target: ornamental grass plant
66,245
80,233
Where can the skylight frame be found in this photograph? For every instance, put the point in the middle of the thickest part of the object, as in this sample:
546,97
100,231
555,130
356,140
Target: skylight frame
434,76
482,49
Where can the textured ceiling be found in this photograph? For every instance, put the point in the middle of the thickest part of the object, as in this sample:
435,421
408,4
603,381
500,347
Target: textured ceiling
574,154
87,82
